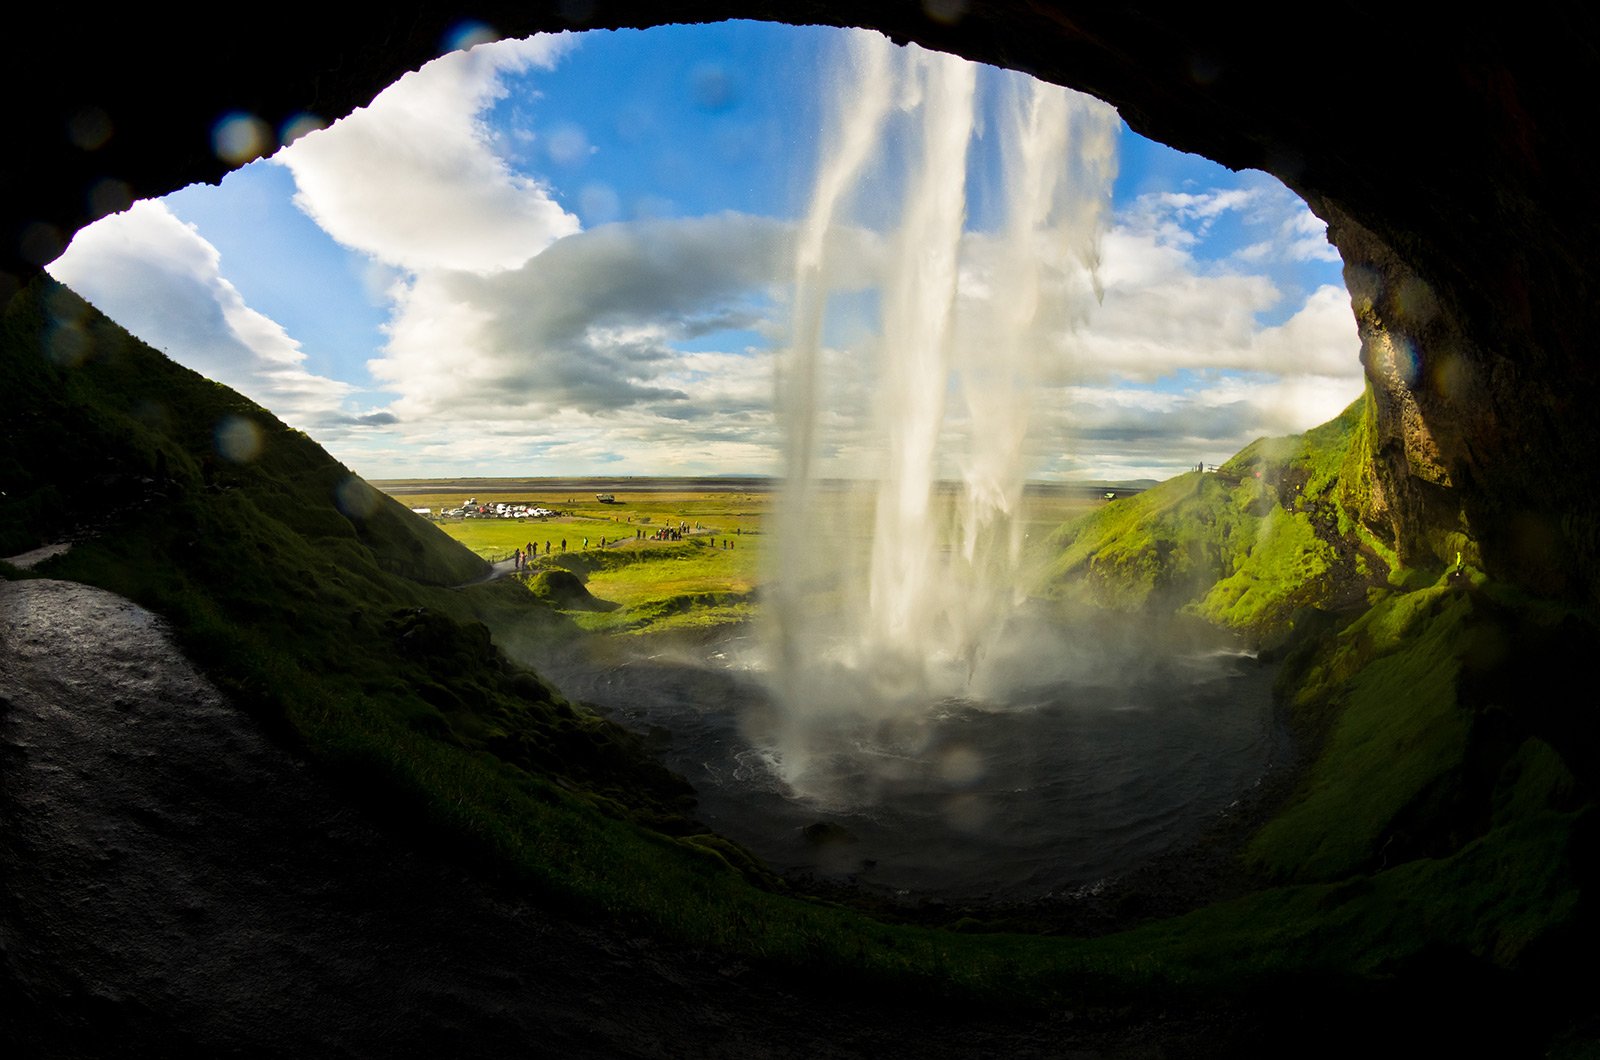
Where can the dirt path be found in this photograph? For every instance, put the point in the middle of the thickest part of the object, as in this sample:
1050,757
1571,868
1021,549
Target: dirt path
171,882
498,569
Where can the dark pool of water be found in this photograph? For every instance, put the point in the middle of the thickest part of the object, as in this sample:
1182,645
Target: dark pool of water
1118,746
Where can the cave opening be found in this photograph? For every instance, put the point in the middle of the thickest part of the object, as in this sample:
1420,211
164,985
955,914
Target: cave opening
641,330
1431,874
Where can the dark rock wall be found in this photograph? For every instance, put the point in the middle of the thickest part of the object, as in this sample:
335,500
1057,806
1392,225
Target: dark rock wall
1447,155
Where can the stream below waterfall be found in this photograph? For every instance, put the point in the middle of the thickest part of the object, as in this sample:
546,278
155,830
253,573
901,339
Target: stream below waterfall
1116,745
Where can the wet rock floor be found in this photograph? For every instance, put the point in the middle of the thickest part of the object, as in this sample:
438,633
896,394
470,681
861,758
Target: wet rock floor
173,882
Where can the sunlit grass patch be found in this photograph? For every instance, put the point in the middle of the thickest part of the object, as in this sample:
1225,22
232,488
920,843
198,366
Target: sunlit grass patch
1277,528
660,586
1380,758
714,512
497,538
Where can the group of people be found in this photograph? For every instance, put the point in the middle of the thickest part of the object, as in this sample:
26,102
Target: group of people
523,556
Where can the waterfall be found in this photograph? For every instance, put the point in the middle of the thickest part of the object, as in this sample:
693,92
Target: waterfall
876,616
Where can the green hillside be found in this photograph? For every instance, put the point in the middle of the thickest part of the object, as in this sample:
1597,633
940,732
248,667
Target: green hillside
313,598
1277,528
1447,771
1440,838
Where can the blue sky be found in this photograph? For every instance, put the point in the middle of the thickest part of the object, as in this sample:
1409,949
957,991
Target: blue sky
575,254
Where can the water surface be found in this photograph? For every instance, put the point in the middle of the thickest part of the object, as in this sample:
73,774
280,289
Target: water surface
1110,745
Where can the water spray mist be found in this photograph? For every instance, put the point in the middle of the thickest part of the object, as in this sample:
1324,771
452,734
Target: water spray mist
871,627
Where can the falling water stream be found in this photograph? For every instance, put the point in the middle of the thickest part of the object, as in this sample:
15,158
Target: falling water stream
903,716
968,322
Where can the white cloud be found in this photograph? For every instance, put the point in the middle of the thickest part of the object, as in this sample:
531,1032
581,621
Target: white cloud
415,178
587,326
1164,312
1281,226
573,361
1161,314
725,425
1182,219
1118,432
1320,339
1304,235
157,277
578,353
1175,366
520,344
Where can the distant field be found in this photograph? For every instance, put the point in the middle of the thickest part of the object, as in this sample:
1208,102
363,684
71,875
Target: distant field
723,512
659,586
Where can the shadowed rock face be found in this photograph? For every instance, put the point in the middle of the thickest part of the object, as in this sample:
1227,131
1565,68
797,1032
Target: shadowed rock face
1445,156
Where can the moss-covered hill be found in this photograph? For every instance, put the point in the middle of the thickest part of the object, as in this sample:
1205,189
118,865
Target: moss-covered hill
1440,850
1450,772
317,601
1281,526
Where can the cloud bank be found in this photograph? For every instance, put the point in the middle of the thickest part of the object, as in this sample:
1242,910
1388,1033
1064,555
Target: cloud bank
519,344
415,179
161,280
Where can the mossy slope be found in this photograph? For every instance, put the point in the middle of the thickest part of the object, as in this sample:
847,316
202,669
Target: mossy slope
306,593
332,623
1448,801
1410,757
1277,528
1440,729
677,588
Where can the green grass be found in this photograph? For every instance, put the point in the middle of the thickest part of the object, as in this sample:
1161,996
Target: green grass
1379,760
498,538
1151,550
298,587
676,586
1442,815
1281,526
719,512
693,585
1287,566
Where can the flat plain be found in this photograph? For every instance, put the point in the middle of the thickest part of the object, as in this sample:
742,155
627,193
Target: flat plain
706,579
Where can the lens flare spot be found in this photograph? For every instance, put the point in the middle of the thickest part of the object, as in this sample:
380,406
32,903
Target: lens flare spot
66,307
238,138
567,144
468,34
599,204
1405,361
1450,377
298,126
712,87
89,128
948,12
577,12
1415,301
41,243
153,414
355,498
67,344
238,440
960,765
